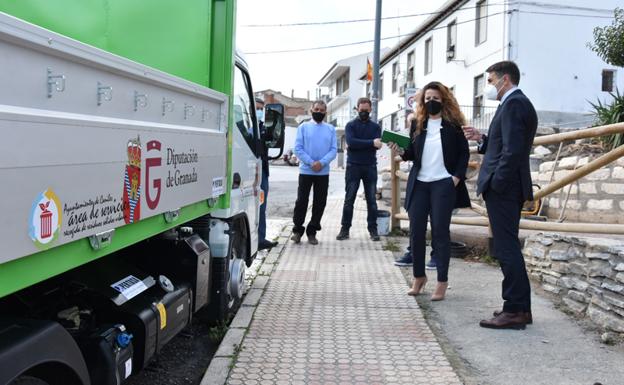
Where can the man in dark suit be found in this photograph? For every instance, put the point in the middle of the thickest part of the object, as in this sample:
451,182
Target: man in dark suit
263,243
505,183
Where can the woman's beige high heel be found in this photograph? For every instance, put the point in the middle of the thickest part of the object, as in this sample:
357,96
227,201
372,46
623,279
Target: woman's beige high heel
440,291
418,285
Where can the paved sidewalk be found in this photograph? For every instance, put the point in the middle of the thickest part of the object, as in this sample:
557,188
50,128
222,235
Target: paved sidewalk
337,313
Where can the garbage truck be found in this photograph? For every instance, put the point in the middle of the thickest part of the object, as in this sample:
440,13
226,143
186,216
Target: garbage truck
129,181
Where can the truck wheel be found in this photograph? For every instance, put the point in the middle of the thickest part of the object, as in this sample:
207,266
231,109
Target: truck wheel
228,281
28,380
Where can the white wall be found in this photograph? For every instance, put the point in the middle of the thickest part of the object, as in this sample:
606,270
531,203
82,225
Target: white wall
342,106
558,71
470,60
340,110
549,49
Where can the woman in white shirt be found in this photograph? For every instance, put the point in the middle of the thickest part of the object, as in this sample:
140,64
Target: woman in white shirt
435,185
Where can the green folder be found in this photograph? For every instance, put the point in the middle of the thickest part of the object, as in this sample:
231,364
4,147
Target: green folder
401,140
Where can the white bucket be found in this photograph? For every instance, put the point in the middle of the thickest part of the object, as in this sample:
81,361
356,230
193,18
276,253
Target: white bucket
383,222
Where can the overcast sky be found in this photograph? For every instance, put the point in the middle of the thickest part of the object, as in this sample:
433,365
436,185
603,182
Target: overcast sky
302,70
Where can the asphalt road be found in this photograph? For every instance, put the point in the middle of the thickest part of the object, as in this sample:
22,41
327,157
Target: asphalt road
283,190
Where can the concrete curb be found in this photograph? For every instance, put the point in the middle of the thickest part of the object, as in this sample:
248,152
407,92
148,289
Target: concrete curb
220,365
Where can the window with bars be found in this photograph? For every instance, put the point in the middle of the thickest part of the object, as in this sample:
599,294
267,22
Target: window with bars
410,69
477,103
342,84
428,55
481,22
451,40
395,76
608,80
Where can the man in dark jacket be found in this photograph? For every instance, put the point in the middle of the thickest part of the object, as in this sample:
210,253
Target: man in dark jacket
263,243
363,141
505,183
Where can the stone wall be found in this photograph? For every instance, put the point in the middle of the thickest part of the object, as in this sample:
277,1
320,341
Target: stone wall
598,197
587,274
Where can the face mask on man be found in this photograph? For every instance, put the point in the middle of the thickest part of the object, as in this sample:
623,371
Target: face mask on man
260,115
433,107
490,91
364,115
318,116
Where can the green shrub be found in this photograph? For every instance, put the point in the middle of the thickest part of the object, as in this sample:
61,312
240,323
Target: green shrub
610,113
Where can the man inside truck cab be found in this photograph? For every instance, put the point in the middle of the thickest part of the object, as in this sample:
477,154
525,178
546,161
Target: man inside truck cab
315,147
263,243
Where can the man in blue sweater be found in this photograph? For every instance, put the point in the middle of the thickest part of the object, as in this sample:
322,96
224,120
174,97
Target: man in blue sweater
316,148
363,141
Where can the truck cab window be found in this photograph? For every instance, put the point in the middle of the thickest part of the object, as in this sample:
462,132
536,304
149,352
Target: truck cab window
243,108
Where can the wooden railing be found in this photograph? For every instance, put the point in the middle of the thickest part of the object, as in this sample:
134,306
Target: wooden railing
599,228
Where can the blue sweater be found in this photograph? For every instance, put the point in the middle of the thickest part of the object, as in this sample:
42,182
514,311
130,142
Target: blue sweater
315,141
360,135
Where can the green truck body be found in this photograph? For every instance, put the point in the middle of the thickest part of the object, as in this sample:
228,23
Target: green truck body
130,163
194,41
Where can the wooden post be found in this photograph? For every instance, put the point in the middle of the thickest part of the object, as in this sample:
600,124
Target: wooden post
395,208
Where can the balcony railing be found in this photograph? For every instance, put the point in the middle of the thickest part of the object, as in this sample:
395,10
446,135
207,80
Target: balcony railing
478,116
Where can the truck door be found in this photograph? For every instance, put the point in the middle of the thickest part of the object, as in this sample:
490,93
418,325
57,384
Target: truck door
246,166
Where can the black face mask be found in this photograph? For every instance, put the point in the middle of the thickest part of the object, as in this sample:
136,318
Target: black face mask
364,115
318,116
433,107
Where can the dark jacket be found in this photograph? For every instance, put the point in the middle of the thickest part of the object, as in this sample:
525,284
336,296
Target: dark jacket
456,154
360,136
507,147
262,149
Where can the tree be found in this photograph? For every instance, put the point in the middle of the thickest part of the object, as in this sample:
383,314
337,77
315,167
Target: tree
609,40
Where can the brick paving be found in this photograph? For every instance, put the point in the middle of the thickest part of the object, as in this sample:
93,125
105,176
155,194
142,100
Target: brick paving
337,313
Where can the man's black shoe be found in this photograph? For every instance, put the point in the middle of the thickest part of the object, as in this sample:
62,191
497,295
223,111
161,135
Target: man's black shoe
343,234
374,236
312,239
266,244
296,237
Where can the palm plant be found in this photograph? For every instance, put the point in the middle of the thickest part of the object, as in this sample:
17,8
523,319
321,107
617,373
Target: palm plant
610,113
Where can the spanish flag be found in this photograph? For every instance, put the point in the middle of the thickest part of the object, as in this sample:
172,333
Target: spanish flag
369,71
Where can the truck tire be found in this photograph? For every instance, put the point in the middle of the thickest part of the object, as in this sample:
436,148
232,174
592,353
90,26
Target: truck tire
28,380
226,294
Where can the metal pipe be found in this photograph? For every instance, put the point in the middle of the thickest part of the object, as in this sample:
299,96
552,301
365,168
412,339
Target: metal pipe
375,96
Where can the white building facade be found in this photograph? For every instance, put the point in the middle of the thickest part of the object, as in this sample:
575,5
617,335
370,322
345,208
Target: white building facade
547,39
341,89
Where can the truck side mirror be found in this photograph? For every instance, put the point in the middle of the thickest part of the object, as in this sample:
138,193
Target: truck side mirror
274,127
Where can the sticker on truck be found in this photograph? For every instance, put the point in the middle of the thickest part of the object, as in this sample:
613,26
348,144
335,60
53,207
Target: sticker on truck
45,219
129,287
218,186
